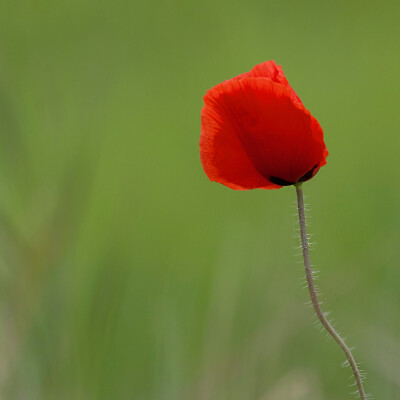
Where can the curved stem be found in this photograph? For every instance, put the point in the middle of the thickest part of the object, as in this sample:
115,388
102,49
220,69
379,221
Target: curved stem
314,296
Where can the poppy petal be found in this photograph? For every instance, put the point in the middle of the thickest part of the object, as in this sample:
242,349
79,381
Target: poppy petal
269,69
222,154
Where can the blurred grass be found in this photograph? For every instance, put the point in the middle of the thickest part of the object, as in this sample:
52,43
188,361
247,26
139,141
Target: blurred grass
124,272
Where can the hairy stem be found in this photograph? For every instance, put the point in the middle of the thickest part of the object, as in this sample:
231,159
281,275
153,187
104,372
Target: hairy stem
314,296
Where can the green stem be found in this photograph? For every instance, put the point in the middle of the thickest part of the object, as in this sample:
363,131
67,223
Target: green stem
314,297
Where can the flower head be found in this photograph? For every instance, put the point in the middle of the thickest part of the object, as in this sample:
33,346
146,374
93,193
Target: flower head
256,132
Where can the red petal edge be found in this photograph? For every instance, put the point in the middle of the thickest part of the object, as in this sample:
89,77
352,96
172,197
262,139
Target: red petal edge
269,69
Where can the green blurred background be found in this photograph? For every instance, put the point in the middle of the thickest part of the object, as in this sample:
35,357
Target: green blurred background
125,273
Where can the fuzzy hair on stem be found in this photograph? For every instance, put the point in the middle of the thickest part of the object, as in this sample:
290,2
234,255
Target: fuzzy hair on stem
314,296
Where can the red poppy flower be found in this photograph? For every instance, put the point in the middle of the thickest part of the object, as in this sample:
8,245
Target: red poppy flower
256,133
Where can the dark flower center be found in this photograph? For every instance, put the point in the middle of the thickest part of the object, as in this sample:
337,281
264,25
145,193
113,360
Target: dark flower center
283,182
